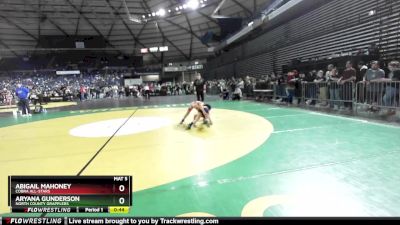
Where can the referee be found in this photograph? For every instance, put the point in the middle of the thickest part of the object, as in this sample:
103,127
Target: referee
200,86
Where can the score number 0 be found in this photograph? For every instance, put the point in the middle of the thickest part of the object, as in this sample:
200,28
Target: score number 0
121,188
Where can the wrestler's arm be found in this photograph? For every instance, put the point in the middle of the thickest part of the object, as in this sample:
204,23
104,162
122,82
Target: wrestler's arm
209,119
196,119
187,113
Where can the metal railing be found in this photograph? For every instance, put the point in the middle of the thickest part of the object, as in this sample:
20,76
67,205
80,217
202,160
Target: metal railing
378,94
336,95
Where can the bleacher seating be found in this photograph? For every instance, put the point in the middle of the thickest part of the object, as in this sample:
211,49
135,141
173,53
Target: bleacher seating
334,28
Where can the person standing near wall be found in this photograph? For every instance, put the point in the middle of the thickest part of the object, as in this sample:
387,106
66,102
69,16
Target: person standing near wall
374,87
240,85
200,87
310,88
333,78
346,85
323,88
23,95
291,85
390,99
82,92
146,91
362,70
9,97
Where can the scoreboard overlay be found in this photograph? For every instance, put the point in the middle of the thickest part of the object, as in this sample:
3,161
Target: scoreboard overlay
70,194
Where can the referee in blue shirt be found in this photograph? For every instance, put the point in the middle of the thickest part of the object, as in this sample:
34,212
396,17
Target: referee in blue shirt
23,96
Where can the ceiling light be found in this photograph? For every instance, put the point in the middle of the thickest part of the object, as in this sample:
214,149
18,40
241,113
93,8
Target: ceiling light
163,48
180,7
144,17
153,14
149,15
176,9
153,49
169,10
184,6
144,50
193,4
161,12
372,12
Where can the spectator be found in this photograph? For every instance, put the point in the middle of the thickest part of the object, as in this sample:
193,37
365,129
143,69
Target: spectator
158,88
280,89
34,97
23,95
362,70
121,92
392,90
146,90
374,88
323,88
333,78
290,89
237,94
177,89
240,84
298,87
82,93
225,95
7,97
346,84
310,88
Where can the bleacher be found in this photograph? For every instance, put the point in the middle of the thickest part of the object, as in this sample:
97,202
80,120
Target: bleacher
345,28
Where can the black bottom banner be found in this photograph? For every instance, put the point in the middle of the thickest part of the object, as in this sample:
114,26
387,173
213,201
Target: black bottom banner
182,220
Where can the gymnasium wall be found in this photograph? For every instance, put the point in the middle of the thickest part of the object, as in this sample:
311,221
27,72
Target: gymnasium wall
335,27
